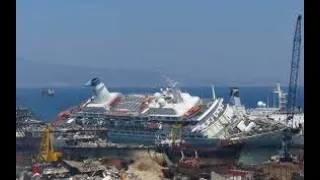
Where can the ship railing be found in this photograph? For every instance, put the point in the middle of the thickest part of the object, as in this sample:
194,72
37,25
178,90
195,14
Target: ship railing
254,132
134,117
215,118
210,114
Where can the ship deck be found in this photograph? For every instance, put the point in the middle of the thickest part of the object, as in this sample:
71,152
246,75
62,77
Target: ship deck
129,108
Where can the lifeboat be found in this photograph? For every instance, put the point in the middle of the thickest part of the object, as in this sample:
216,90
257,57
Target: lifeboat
61,116
191,111
64,114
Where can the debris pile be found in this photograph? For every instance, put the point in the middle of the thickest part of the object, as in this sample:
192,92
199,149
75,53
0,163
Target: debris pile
109,173
146,168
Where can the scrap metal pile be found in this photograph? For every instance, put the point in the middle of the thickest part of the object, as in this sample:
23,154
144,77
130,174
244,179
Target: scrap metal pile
110,173
81,170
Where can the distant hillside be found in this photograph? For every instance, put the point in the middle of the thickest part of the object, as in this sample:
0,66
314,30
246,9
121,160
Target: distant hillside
31,73
39,74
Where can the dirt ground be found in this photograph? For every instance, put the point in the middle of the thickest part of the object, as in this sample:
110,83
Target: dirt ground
146,167
282,171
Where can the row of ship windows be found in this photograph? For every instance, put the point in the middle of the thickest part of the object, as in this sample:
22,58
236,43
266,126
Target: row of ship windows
143,118
145,133
163,118
140,133
215,114
149,118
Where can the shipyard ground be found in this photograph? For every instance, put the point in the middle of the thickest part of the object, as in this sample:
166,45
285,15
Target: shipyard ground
89,155
143,167
155,166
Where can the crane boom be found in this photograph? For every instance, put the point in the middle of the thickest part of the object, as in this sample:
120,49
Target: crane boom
292,92
291,103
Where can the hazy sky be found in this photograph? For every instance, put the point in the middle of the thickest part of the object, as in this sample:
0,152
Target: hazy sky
240,39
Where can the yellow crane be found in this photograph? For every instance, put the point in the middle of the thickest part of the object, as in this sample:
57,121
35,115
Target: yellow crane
47,152
176,132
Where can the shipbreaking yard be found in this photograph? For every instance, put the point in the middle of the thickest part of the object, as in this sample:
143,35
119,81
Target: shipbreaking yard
78,144
86,155
149,167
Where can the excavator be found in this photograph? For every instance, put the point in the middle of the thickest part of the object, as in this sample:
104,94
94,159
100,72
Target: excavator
47,152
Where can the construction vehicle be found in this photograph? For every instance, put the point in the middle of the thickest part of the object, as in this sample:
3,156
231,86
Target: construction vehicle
291,102
47,152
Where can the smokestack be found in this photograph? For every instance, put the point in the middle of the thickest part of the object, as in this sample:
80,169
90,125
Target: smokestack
235,97
102,94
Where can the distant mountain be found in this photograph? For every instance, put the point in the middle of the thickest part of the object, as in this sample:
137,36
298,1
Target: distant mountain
39,74
32,73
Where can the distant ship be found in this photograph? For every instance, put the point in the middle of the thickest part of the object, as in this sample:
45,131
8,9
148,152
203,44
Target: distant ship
47,92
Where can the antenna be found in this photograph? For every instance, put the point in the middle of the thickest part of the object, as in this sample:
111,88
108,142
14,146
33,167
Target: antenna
174,88
171,83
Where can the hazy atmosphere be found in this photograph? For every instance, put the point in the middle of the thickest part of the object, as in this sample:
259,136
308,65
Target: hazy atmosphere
132,43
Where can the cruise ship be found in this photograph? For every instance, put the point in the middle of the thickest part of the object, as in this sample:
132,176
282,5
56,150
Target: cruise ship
172,118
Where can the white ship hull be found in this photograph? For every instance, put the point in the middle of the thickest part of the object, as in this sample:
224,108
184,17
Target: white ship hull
272,138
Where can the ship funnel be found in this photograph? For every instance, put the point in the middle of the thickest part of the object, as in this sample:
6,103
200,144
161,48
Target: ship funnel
235,97
100,90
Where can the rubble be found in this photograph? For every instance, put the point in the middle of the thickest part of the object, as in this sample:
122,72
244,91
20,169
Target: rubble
110,173
86,166
146,168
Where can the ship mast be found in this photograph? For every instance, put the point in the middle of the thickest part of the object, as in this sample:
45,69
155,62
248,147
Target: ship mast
213,92
281,97
174,88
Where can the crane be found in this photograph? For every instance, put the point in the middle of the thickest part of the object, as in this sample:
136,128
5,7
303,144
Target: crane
292,93
291,101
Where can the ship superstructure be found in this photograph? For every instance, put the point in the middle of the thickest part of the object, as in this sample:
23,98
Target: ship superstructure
169,103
